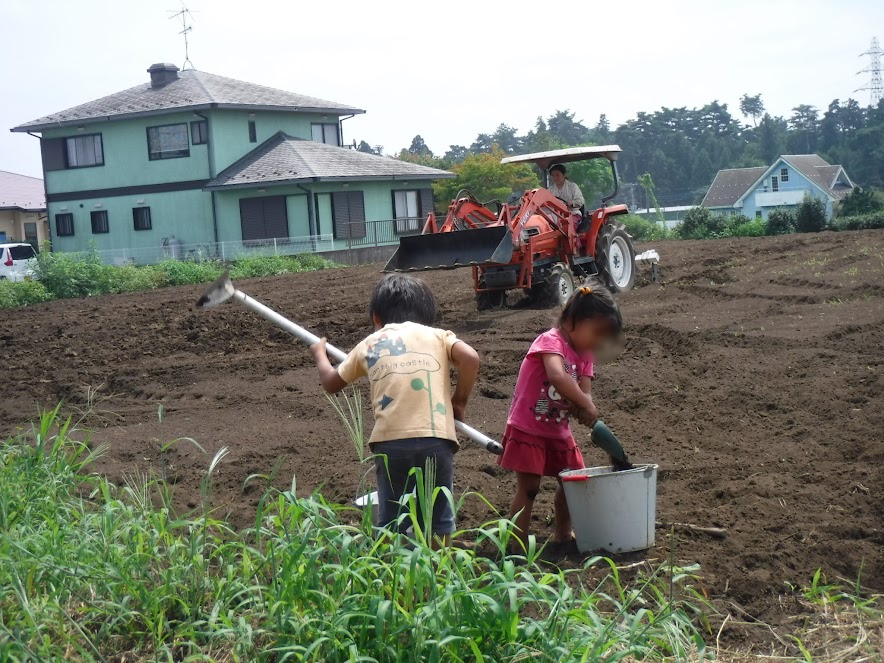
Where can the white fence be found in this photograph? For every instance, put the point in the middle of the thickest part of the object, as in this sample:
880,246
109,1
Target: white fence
171,249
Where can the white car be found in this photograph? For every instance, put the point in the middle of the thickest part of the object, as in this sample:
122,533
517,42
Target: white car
17,262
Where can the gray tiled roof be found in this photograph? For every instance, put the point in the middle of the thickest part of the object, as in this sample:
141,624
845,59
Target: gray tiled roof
192,90
730,184
21,192
283,159
818,171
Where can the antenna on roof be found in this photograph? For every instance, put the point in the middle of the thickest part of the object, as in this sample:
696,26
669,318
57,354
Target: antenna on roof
875,86
184,14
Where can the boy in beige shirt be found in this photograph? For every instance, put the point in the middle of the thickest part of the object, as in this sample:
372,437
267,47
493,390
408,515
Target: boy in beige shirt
407,361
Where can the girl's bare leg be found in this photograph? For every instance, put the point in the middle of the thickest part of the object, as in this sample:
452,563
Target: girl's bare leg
564,531
527,487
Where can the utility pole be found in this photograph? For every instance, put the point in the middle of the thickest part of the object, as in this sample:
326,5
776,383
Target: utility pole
875,86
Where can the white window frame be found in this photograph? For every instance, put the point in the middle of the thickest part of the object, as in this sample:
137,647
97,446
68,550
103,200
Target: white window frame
84,151
774,184
784,174
321,132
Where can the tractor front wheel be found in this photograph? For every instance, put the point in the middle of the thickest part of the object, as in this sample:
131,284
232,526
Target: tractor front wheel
556,289
489,299
615,257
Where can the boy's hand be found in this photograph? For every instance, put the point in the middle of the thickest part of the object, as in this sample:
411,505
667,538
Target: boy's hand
459,408
318,349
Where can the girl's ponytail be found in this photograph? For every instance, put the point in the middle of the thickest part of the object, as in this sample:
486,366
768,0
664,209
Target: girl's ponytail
591,301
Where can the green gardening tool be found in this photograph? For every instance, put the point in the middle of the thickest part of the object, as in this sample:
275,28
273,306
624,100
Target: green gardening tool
605,440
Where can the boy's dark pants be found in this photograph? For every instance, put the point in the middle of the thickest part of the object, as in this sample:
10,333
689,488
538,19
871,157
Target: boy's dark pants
395,460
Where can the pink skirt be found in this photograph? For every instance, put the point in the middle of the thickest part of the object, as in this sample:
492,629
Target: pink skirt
523,452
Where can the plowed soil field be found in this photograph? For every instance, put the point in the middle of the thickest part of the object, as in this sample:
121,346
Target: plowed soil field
753,375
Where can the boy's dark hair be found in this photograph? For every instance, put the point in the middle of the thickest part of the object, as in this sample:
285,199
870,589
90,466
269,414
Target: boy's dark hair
558,167
592,301
403,298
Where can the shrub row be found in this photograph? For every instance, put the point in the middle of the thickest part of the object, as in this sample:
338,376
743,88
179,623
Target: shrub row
701,223
64,275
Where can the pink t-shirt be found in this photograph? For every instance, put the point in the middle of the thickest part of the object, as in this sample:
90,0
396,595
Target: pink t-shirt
537,408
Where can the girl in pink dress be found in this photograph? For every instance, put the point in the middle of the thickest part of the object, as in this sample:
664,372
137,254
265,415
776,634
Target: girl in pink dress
553,384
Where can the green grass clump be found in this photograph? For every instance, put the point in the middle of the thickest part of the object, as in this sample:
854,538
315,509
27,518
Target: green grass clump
22,293
69,275
185,272
646,230
92,572
274,265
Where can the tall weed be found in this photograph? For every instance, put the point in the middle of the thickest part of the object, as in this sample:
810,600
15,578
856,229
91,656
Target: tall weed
90,571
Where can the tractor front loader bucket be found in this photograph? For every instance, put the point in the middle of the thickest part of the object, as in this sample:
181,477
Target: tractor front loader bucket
449,250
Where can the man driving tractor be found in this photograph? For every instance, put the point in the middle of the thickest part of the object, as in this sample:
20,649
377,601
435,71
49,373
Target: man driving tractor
563,188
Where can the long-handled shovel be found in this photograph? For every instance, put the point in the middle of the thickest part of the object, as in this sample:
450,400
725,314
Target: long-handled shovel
222,290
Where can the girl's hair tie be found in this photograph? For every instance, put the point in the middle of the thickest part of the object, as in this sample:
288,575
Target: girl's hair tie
585,290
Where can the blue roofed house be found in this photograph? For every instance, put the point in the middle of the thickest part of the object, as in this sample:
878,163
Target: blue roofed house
754,192
222,165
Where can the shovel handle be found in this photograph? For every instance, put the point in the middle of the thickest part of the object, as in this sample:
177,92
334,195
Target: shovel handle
338,355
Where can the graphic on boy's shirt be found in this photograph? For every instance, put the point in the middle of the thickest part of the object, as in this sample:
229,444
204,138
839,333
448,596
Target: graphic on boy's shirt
550,407
394,347
388,355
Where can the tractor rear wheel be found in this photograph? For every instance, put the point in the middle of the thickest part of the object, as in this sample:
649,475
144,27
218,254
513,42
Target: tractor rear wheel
615,257
556,289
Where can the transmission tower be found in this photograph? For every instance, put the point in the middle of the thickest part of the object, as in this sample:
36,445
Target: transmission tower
875,86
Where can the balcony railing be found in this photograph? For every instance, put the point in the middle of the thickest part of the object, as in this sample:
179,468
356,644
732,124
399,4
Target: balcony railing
380,233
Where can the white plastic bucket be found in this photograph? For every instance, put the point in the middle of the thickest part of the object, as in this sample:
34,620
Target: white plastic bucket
612,511
371,500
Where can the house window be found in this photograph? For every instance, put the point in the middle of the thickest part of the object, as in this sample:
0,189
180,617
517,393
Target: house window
64,225
141,218
99,222
774,184
31,234
167,142
406,211
784,175
199,132
263,218
84,151
733,212
758,214
253,132
348,212
326,133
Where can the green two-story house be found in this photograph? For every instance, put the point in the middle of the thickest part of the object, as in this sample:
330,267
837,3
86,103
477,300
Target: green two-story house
191,161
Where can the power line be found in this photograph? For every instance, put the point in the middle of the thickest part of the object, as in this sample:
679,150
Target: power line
875,86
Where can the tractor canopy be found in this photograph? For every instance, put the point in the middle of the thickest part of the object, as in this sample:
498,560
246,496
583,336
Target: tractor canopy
546,159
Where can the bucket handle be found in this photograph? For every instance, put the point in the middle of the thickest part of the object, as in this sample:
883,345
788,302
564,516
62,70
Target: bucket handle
575,477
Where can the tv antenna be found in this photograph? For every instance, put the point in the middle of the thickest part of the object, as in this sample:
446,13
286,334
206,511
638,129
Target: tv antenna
875,86
186,17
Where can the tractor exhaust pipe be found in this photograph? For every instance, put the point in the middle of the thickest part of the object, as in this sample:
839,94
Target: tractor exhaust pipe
222,290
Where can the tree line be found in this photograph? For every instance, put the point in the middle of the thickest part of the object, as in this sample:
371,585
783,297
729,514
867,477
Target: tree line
679,149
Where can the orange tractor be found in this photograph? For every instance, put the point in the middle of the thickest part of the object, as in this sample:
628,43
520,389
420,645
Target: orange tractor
532,245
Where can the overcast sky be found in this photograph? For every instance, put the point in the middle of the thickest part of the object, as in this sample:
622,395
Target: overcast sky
446,70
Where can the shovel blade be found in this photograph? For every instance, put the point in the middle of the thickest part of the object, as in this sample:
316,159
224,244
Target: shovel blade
216,294
449,250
